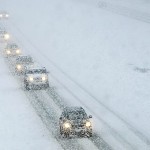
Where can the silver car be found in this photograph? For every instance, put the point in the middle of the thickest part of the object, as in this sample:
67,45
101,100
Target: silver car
36,78
12,49
4,15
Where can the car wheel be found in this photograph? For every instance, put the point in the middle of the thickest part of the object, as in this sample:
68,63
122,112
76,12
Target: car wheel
27,87
66,134
47,85
89,134
61,132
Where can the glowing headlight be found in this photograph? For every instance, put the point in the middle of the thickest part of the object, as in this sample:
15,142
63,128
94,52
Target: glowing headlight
67,125
30,79
6,36
44,78
6,15
17,51
19,67
88,124
1,15
8,52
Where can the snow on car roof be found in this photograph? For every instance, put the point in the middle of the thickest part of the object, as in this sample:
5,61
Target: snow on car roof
70,109
24,58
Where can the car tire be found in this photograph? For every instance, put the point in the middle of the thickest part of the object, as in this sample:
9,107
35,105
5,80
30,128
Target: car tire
61,132
47,85
89,134
27,87
66,134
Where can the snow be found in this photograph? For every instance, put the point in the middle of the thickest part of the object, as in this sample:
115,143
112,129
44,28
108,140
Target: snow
104,52
20,126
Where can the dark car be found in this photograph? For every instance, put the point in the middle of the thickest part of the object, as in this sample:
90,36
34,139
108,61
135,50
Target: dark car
75,121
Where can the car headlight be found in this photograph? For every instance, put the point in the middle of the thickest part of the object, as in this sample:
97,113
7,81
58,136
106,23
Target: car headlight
17,51
88,124
1,15
6,15
31,79
67,125
44,78
19,67
6,36
8,52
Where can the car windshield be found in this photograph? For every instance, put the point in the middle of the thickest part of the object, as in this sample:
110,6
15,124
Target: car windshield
12,46
76,115
2,32
24,60
36,71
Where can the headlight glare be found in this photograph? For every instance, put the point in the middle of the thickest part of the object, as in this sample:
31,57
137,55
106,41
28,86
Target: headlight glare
19,67
88,124
43,78
67,125
6,36
31,79
8,52
17,51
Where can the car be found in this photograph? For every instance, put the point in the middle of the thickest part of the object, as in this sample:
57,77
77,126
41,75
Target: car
4,35
75,121
12,49
36,78
22,62
4,15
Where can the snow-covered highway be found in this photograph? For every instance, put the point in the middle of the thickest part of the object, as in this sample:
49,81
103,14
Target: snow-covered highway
94,54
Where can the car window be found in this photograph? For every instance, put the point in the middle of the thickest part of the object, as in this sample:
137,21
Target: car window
76,115
25,59
36,71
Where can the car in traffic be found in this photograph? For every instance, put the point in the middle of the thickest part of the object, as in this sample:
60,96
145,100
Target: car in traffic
4,35
23,62
12,50
36,78
75,121
4,15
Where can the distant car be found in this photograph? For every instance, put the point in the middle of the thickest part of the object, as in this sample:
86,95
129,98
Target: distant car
4,15
12,49
4,35
74,121
22,63
36,78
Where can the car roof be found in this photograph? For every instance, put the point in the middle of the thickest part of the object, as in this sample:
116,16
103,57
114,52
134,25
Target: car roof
23,57
73,109
12,43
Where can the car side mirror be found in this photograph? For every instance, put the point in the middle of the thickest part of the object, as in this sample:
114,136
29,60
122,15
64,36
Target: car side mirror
90,116
60,118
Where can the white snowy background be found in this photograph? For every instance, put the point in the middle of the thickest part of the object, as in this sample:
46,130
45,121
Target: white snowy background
100,50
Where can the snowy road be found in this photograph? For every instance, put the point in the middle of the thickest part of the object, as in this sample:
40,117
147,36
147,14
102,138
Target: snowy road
20,128
48,108
91,55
